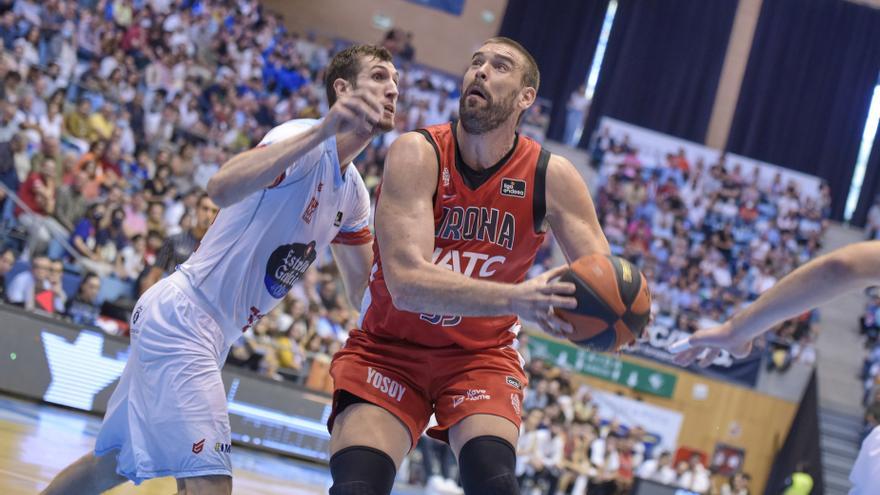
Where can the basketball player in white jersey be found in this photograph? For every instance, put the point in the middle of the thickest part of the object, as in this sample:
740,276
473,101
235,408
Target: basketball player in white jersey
281,203
822,279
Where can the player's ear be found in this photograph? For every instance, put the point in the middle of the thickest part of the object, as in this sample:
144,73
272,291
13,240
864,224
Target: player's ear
342,87
527,97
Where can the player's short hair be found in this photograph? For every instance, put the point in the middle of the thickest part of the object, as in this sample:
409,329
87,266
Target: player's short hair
531,75
347,64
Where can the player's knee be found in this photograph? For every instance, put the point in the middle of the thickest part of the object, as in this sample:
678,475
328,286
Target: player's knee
487,466
205,485
362,471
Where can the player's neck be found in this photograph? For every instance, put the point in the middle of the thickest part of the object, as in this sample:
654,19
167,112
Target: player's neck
482,151
349,145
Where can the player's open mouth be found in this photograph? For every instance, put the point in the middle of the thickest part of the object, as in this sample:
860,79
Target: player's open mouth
475,91
389,109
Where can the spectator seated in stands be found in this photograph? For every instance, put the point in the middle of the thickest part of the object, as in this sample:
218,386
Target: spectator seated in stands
659,469
738,484
696,477
30,288
576,466
83,309
37,192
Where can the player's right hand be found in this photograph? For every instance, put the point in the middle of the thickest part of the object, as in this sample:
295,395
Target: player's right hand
359,110
707,344
535,299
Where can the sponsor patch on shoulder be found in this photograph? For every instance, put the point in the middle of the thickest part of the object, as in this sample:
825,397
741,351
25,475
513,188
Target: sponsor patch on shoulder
513,187
513,382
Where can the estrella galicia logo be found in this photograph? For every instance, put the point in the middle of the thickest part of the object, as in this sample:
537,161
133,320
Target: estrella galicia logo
286,265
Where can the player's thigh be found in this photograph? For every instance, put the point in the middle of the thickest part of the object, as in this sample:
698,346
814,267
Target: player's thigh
204,485
367,425
480,425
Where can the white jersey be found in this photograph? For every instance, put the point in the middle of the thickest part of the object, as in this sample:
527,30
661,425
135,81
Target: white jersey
865,474
259,247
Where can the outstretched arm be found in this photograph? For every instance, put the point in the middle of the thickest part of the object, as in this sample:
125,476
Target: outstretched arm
255,169
822,279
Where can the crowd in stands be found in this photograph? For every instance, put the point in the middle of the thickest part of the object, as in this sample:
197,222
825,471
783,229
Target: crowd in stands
709,237
115,113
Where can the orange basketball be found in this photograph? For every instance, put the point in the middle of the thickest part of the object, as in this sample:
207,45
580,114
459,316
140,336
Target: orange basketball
614,302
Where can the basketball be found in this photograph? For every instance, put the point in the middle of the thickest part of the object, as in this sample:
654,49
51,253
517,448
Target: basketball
614,303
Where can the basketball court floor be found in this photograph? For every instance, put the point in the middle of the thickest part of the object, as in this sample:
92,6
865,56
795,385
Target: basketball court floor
37,441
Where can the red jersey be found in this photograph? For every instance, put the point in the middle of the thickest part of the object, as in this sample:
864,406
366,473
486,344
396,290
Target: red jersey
487,225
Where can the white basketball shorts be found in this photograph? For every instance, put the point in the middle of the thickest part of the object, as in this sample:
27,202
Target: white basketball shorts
168,415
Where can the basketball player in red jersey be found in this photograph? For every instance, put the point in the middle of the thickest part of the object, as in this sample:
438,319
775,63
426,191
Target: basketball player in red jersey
462,211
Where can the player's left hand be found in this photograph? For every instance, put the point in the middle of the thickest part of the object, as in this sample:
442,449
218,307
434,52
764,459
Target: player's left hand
707,345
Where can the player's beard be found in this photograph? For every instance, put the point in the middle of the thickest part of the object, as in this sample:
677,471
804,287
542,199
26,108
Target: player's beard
480,119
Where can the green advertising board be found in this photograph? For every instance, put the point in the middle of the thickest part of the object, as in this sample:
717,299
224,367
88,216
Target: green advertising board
603,366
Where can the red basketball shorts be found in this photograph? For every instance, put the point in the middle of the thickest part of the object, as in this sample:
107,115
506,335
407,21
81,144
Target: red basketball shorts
412,382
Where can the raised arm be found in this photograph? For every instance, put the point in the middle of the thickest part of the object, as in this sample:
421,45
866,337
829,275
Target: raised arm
255,169
405,233
571,213
822,279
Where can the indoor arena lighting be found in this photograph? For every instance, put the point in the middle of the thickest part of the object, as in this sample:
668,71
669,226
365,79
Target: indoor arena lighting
855,187
596,66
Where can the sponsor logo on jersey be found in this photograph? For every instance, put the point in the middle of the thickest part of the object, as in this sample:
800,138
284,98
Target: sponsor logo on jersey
477,394
286,265
468,263
136,315
514,401
389,386
338,221
515,188
471,395
198,446
253,317
310,210
477,223
223,448
513,382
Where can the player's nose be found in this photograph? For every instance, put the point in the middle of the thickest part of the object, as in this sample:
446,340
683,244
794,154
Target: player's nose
392,91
